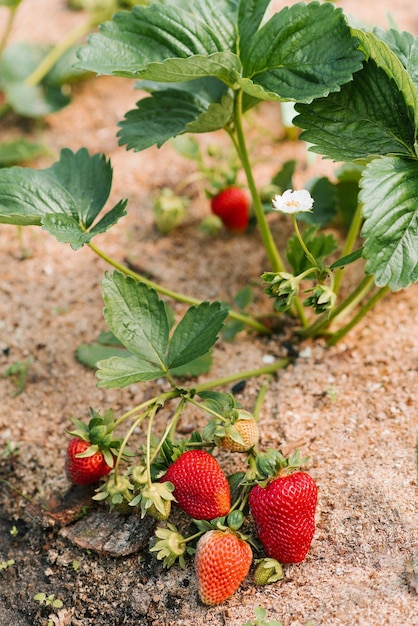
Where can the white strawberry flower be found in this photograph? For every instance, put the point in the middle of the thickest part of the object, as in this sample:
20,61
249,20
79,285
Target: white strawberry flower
293,202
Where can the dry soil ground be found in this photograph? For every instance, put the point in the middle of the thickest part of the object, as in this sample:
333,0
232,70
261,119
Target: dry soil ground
351,408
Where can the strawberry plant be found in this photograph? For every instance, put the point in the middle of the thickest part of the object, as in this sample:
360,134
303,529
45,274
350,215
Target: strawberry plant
203,66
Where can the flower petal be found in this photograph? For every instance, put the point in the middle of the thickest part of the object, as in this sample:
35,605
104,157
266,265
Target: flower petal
293,202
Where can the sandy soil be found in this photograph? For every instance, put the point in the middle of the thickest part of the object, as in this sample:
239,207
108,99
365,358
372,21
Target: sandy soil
350,408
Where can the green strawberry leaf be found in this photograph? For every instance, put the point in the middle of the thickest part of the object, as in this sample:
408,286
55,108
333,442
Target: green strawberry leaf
118,372
137,317
201,365
18,62
27,195
250,16
231,330
19,150
303,52
388,191
90,354
347,259
324,194
405,46
284,177
348,177
243,297
168,44
372,115
87,178
218,401
162,42
170,112
387,59
109,219
196,333
64,199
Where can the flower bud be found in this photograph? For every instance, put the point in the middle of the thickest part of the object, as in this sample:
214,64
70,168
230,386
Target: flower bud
284,287
322,299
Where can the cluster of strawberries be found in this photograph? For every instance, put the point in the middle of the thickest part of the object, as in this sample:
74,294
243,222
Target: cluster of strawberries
273,495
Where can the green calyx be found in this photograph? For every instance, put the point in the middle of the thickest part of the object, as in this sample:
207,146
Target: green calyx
224,426
156,500
268,571
118,492
270,464
99,433
171,546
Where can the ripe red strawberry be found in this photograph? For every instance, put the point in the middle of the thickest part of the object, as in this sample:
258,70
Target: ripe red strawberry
232,206
284,515
84,470
222,561
200,486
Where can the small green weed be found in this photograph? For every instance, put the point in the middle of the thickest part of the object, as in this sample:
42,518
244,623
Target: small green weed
50,600
18,373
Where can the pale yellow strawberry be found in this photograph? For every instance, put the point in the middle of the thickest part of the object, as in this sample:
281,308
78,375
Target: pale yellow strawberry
249,433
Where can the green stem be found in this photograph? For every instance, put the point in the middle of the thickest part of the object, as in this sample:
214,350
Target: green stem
8,28
170,428
273,254
16,490
267,369
260,399
56,52
349,244
192,537
148,448
179,297
135,424
161,399
206,409
300,311
303,244
335,337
